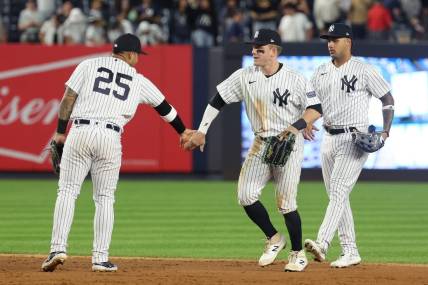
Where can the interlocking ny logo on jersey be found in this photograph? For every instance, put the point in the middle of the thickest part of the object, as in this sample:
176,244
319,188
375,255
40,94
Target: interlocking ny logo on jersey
350,84
282,99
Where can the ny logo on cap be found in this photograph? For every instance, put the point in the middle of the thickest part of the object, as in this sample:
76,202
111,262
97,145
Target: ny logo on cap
256,35
331,29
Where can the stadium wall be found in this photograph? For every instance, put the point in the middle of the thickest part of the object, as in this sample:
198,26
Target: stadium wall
32,81
31,85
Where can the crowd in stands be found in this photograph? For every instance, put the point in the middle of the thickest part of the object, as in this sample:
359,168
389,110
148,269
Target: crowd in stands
206,23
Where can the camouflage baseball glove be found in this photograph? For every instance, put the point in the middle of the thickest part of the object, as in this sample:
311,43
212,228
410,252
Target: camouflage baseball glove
368,142
56,154
278,149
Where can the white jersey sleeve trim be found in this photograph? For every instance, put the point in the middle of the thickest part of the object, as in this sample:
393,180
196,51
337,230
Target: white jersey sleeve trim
170,116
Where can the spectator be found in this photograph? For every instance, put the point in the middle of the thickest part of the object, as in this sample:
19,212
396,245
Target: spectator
264,15
179,23
294,25
123,7
358,17
326,12
29,23
95,33
46,8
119,26
425,18
401,28
3,34
390,4
150,34
225,17
411,8
235,31
96,11
72,31
301,5
379,21
345,8
49,31
148,12
204,22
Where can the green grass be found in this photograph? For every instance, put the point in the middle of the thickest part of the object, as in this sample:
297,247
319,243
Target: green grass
202,219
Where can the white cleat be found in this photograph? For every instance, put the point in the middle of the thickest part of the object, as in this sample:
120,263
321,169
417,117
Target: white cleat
314,248
272,248
346,260
297,261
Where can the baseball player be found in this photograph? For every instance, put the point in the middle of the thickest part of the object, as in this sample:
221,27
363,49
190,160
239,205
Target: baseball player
344,86
278,101
101,96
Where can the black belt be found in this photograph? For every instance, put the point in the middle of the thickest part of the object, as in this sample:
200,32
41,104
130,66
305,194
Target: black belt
340,131
88,122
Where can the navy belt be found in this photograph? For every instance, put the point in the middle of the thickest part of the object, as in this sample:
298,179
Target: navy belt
339,131
88,122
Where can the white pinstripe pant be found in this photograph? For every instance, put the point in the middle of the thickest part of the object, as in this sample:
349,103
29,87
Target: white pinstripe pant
98,150
255,174
342,162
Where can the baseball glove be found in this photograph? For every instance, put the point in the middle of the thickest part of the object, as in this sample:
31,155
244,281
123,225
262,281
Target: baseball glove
56,154
368,142
278,149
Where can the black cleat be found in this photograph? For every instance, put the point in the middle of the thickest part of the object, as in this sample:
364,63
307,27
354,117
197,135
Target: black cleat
104,267
54,259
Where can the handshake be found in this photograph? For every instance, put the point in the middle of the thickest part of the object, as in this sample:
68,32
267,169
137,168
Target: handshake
191,139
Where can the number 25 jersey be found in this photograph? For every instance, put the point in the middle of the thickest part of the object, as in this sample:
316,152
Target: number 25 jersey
110,90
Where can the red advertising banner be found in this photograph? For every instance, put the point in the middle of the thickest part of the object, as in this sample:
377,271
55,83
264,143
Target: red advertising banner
32,84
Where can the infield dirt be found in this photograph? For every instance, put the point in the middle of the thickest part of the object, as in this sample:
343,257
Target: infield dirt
25,269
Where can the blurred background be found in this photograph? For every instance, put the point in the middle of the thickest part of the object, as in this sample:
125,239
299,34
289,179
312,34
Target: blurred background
193,45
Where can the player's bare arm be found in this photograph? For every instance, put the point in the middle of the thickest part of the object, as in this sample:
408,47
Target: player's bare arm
388,113
65,109
211,112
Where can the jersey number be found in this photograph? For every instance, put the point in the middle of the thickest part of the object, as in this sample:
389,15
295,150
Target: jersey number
120,77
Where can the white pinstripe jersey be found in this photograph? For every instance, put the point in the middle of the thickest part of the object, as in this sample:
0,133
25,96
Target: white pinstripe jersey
110,90
345,92
272,103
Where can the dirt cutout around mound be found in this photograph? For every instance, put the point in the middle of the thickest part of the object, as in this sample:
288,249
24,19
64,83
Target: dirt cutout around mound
24,269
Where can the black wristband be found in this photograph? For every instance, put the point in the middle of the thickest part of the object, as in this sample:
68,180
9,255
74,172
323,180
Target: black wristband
217,102
178,125
62,126
300,124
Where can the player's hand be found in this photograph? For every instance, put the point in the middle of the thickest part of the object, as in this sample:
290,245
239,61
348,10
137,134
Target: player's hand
287,131
384,136
59,138
197,140
309,132
185,137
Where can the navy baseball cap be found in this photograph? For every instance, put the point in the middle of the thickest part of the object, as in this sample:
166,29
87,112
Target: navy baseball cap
338,30
264,37
127,42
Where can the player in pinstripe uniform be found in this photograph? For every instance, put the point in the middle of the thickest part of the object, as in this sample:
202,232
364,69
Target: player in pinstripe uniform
101,96
278,100
344,86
